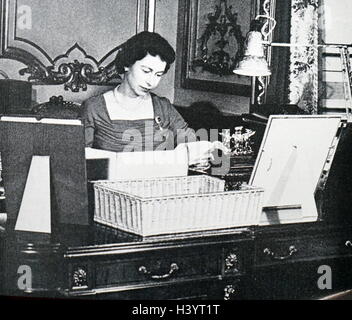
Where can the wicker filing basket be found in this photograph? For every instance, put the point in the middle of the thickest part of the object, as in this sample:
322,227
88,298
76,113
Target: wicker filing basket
171,205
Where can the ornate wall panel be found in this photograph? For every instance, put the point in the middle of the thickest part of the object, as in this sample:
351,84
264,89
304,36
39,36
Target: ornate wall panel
214,32
69,42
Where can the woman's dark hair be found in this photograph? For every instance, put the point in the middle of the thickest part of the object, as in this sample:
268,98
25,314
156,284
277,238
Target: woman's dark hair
138,46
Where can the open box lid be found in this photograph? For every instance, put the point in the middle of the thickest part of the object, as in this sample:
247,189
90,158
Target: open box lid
294,159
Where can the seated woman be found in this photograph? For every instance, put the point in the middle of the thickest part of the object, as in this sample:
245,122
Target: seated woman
131,117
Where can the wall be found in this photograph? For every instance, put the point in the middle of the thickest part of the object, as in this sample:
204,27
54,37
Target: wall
62,32
166,25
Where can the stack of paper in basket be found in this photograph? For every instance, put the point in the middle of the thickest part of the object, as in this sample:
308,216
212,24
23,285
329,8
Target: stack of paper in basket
151,164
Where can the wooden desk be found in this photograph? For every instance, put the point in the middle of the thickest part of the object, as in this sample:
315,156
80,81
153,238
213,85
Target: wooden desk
279,262
262,262
104,263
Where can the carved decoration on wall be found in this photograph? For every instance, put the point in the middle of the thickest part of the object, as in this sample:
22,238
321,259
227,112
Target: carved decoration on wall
75,75
4,74
304,60
221,23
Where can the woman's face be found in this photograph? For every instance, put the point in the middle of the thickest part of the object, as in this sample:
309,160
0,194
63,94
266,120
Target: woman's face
144,75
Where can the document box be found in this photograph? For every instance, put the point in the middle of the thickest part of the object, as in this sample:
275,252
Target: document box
293,165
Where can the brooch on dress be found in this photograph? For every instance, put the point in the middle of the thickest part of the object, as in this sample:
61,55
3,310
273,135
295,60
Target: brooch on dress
158,122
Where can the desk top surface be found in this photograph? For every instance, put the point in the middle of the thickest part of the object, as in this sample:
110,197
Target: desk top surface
97,238
75,241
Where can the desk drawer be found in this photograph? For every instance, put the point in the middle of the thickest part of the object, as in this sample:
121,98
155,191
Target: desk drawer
157,267
171,266
274,251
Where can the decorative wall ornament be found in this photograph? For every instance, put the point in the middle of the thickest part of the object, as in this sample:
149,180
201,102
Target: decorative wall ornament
4,74
303,87
75,75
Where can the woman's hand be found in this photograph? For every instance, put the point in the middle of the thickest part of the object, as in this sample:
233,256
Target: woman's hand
201,152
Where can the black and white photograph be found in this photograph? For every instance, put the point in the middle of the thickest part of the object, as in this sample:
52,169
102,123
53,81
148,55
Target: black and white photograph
194,152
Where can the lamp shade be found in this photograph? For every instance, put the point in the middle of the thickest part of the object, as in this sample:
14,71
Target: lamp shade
253,62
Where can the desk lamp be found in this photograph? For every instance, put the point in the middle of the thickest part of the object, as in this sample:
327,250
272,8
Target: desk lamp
255,64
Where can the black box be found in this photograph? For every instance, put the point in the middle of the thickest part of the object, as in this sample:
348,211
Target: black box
15,96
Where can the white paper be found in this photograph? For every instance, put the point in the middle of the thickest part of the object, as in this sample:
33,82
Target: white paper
148,164
35,210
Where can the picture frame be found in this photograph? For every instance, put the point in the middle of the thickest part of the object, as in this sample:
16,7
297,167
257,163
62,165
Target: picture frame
212,34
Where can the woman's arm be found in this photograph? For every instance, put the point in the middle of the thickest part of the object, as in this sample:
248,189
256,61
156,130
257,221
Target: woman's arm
182,132
199,152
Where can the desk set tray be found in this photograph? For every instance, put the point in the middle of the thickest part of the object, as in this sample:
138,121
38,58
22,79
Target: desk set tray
157,206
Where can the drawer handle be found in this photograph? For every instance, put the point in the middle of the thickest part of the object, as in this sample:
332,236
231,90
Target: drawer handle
291,251
348,243
173,268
